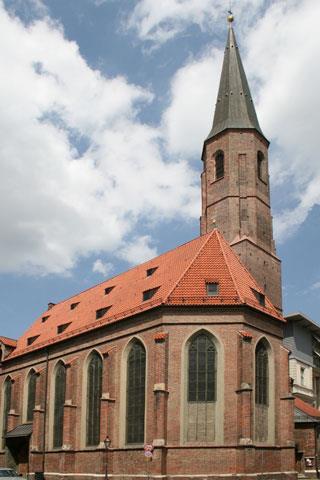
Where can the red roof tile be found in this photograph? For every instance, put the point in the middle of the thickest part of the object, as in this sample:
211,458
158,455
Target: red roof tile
10,342
180,279
306,408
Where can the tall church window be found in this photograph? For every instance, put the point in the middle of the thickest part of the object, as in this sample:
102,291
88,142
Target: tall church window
136,380
31,395
262,392
7,393
59,400
94,392
219,165
261,167
201,388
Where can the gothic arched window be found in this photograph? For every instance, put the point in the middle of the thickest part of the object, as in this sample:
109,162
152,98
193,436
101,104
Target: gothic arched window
31,395
136,379
201,413
219,165
261,166
7,393
94,392
262,374
202,369
59,400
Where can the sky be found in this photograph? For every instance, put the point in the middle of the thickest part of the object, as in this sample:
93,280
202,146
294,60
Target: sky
104,107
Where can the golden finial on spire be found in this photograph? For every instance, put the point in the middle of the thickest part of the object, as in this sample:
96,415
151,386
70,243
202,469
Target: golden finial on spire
230,16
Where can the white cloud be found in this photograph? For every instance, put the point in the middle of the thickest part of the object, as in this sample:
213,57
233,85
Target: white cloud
159,22
138,250
188,119
315,286
105,268
59,200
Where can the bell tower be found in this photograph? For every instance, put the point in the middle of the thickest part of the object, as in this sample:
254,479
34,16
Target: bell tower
235,178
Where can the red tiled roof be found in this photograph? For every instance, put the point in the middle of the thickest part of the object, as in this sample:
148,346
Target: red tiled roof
306,408
10,342
180,279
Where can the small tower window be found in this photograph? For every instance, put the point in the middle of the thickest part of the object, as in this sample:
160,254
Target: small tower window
261,167
219,165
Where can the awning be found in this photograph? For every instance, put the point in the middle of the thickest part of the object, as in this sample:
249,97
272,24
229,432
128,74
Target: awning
24,430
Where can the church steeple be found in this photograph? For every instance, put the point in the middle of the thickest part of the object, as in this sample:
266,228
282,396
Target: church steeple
235,178
234,107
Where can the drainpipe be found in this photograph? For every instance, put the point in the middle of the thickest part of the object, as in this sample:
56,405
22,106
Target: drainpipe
316,431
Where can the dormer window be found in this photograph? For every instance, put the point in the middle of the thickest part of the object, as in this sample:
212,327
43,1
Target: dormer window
31,340
101,312
147,294
212,289
151,271
45,318
74,305
107,290
61,328
260,297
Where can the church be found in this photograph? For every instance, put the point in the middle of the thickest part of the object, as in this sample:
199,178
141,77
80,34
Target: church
175,368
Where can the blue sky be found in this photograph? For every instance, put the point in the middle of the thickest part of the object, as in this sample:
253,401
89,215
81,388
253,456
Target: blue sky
105,106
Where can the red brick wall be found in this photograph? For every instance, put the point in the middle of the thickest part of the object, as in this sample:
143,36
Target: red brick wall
172,456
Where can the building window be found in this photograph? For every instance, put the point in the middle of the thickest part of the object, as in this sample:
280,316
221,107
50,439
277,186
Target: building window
94,392
107,290
59,400
31,340
101,312
74,305
147,294
212,289
262,375
261,166
136,379
44,319
31,402
151,271
302,376
201,388
219,165
202,370
61,328
260,297
7,392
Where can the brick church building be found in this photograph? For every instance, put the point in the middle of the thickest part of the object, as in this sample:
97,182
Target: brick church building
182,354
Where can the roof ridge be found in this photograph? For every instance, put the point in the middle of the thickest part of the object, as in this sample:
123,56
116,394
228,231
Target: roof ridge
189,266
220,237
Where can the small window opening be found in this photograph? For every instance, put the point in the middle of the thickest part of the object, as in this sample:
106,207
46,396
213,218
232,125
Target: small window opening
212,289
61,328
147,294
219,165
260,166
302,375
31,340
101,312
44,319
74,305
108,290
260,297
151,271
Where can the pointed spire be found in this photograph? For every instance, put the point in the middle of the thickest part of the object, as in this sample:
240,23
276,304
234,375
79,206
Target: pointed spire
234,107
